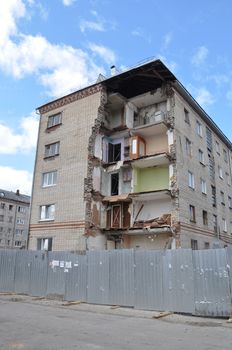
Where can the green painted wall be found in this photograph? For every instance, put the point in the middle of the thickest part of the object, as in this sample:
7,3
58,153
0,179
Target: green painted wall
151,179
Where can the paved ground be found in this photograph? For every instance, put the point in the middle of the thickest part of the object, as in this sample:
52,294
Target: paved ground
27,323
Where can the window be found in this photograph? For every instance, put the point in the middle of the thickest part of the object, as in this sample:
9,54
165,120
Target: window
52,149
214,197
192,213
190,179
225,155
2,206
217,147
205,217
222,198
9,230
1,218
199,128
10,207
127,174
201,156
54,120
231,227
209,140
114,154
114,184
230,202
224,225
215,224
186,116
194,244
49,179
1,229
220,172
228,180
203,186
211,168
47,212
18,232
188,146
206,245
20,221
44,244
21,210
18,243
138,147
10,219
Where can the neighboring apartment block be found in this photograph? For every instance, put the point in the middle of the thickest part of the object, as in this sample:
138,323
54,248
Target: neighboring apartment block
130,162
14,219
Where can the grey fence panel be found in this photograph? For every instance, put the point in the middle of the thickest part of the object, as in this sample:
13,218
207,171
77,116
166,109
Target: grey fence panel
229,265
98,277
7,270
76,278
148,280
121,276
38,276
211,280
58,266
178,281
23,271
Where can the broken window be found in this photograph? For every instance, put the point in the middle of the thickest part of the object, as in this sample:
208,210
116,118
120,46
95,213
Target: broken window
114,152
118,216
114,184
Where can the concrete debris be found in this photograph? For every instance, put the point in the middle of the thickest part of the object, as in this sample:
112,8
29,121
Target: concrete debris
164,220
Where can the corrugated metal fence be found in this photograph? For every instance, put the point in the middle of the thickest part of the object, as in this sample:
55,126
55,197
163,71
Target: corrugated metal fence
186,281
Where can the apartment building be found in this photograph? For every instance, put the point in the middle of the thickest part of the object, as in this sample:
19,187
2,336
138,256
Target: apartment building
14,219
132,161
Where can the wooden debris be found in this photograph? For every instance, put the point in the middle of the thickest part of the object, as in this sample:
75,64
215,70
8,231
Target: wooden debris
115,307
7,293
69,303
163,314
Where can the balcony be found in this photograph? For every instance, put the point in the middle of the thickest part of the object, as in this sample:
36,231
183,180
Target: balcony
151,179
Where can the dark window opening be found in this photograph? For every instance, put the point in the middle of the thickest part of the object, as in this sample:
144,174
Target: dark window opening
44,244
205,217
214,199
194,244
114,154
114,184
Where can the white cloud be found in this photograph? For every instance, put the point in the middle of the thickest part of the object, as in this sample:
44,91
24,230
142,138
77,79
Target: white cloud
12,179
167,40
204,97
139,32
91,25
106,54
13,142
60,68
68,2
200,55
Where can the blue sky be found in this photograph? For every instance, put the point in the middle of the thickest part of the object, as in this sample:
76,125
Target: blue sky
49,48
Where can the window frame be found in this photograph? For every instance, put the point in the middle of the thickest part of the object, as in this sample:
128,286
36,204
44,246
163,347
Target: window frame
48,154
46,211
191,180
53,118
199,128
192,213
53,175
